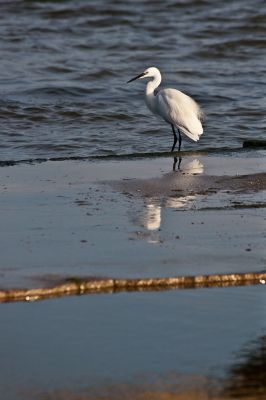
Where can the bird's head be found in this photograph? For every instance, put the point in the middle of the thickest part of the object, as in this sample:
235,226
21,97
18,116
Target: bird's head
151,72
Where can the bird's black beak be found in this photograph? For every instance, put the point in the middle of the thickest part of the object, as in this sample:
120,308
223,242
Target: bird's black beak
136,77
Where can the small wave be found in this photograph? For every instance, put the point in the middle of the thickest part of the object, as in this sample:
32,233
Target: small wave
234,47
70,114
113,116
102,73
83,9
58,91
59,69
61,13
112,156
235,43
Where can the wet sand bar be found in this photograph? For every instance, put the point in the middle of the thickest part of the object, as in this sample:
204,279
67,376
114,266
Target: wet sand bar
104,222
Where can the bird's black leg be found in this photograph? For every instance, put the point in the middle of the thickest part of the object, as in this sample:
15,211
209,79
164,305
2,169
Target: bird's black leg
175,138
174,165
180,140
179,162
175,162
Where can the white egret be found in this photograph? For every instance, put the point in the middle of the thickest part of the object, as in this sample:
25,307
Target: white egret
175,107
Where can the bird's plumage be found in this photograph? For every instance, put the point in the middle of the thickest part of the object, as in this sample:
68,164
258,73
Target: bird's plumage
180,110
175,107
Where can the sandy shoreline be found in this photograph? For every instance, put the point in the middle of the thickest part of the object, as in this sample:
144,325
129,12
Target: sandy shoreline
132,219
79,219
81,286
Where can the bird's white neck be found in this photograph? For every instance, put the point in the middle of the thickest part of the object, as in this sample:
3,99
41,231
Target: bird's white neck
153,84
150,87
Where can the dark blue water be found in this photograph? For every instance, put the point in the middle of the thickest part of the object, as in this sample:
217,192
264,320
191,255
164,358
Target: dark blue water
64,65
58,349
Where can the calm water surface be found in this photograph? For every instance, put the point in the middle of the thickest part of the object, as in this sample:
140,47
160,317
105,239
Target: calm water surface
58,349
64,65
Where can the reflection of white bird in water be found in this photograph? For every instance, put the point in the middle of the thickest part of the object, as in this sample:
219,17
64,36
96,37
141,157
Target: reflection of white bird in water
175,107
154,204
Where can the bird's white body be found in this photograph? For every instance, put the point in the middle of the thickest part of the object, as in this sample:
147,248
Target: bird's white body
175,107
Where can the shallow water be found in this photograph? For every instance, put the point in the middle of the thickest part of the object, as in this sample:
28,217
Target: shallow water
64,66
78,344
132,219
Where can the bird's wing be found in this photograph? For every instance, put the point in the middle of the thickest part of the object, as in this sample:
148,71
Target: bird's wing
180,110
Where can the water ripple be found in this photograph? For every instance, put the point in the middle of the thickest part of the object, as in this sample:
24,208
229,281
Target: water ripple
64,66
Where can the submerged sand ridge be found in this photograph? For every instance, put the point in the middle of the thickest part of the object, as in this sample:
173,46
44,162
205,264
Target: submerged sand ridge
191,181
79,286
132,220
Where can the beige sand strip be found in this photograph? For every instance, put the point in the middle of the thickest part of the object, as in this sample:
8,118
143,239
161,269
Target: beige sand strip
77,286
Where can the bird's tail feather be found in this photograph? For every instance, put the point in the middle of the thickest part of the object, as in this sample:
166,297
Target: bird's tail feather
193,136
